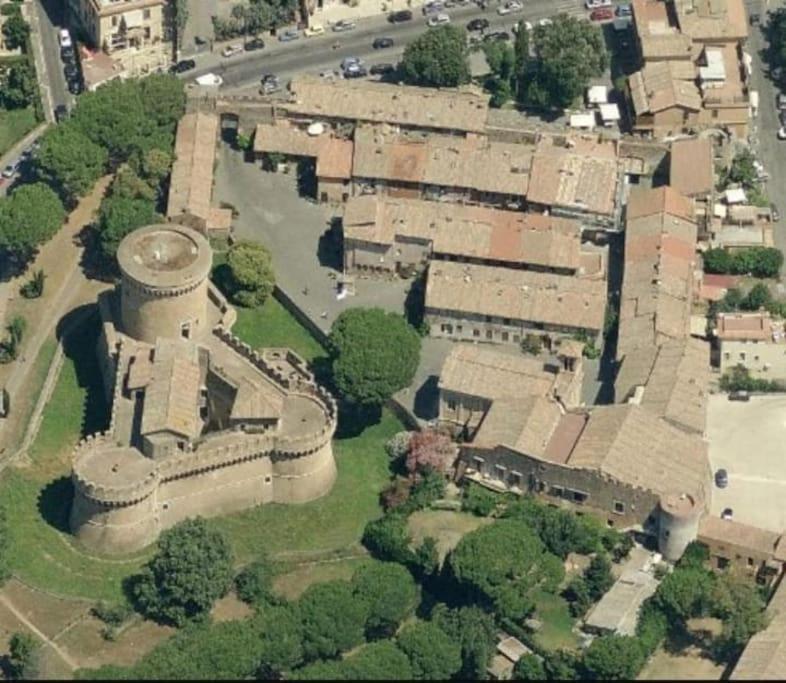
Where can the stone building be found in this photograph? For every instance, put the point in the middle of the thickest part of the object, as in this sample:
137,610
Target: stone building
136,34
200,424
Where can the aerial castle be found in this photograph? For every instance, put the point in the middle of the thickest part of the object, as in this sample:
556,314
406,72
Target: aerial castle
201,424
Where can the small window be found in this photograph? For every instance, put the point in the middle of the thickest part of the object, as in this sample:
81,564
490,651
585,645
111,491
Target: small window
619,507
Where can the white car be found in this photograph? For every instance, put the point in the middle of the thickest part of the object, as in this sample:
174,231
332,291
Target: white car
65,38
315,30
209,79
232,50
439,20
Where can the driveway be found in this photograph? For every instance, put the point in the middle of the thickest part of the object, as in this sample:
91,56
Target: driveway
746,439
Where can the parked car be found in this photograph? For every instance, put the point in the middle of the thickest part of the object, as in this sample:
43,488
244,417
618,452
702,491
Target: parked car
382,69
344,25
727,513
479,24
61,113
741,395
602,14
398,17
313,31
439,19
255,44
382,43
776,214
433,7
721,479
232,50
183,65
65,38
288,35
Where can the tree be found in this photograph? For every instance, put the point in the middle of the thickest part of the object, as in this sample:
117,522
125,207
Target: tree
119,216
191,569
70,160
432,653
614,658
568,53
381,661
437,58
598,576
374,354
529,668
390,594
430,451
250,271
388,538
23,655
254,583
19,87
475,630
501,564
333,619
16,30
29,217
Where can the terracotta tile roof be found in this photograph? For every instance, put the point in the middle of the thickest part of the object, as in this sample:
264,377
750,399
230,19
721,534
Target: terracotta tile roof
520,295
756,326
673,461
464,230
359,100
582,175
691,169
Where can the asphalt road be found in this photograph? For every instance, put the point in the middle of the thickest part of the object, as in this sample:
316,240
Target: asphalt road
51,17
317,54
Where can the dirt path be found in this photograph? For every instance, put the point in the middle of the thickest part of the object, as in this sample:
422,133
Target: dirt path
65,287
72,665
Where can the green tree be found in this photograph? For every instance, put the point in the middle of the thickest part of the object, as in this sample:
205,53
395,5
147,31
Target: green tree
613,658
390,594
250,273
254,582
598,576
475,630
569,52
19,86
120,216
29,217
387,538
70,160
432,653
374,354
16,31
437,58
23,656
529,668
191,569
501,564
333,619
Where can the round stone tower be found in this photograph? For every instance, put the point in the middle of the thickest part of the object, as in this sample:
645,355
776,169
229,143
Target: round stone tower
164,279
678,524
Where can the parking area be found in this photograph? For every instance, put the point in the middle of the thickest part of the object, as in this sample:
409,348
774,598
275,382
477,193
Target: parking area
747,440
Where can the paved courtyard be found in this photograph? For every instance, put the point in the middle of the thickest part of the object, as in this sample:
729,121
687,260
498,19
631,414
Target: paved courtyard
748,439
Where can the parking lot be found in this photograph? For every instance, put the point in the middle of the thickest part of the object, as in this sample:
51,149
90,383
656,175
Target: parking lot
747,439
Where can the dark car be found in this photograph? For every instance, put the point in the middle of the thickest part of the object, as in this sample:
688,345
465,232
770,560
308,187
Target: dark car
381,43
479,24
382,69
721,479
398,17
497,35
61,113
183,65
254,44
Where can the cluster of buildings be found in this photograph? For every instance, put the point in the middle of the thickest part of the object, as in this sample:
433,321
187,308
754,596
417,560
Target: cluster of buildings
124,38
694,73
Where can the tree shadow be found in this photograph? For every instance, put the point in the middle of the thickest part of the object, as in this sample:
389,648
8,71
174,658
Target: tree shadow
426,404
54,503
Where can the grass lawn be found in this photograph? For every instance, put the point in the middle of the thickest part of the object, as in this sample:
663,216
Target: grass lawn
553,612
14,125
272,325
